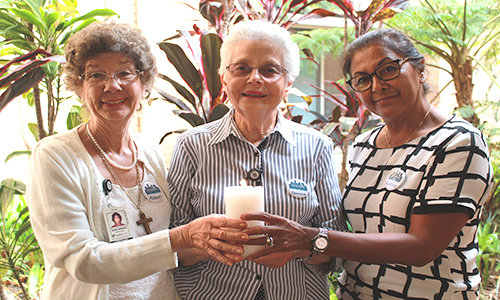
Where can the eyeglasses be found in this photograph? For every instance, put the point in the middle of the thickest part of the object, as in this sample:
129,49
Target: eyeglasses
269,72
123,77
385,72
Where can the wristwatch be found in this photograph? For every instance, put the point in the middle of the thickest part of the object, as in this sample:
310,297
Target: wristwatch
320,242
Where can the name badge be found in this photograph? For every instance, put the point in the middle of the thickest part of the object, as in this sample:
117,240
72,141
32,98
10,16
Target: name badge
152,191
297,188
395,179
117,224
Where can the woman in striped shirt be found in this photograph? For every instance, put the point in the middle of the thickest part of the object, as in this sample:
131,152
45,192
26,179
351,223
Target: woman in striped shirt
293,163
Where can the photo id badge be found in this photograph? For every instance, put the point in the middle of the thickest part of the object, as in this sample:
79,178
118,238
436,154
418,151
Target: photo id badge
117,224
395,179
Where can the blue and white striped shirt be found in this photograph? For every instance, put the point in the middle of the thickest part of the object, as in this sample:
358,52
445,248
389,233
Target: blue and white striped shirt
210,157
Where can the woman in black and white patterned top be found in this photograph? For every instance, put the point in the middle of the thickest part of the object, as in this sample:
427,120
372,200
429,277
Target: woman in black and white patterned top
415,191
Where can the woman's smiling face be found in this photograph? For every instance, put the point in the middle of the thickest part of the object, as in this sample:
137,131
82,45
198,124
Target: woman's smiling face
254,93
111,100
390,98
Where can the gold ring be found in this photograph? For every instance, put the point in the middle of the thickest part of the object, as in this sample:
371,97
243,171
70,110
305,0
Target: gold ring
269,241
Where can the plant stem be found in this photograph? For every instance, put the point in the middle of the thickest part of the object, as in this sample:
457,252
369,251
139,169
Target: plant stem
39,116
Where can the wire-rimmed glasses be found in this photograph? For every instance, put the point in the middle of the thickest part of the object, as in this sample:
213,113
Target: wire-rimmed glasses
123,77
269,71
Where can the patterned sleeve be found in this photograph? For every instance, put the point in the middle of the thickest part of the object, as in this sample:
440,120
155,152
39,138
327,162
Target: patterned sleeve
458,179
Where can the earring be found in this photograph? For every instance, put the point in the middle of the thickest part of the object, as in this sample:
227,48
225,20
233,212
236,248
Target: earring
422,79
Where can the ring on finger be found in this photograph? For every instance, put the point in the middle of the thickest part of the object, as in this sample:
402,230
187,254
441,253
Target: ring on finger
269,241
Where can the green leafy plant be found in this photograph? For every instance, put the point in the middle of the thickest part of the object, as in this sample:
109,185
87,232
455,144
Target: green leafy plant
22,79
17,241
488,258
41,26
203,102
466,35
376,11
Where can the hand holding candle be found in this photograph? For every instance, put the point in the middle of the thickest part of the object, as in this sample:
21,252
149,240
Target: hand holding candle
245,199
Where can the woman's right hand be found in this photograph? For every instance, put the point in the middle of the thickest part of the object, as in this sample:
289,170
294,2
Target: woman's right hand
287,235
213,234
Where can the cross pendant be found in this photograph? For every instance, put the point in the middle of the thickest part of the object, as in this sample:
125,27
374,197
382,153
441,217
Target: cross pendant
144,221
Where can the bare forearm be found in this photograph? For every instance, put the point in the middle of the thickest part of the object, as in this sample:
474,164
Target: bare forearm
191,256
400,248
427,237
177,241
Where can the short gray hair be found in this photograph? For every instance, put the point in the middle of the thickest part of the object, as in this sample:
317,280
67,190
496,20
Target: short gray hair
262,31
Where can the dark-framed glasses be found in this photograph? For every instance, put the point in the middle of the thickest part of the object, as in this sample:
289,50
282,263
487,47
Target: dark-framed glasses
385,72
123,77
269,71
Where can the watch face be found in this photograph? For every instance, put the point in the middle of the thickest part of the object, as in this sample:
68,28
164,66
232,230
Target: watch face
321,243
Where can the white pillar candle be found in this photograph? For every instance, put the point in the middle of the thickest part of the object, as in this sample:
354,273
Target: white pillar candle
245,199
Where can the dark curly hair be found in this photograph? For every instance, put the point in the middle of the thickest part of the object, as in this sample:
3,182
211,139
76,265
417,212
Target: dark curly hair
115,214
101,37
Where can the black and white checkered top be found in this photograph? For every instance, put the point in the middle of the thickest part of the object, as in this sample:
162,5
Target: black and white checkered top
447,170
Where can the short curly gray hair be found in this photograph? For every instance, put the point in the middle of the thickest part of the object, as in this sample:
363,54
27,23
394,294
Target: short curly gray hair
101,37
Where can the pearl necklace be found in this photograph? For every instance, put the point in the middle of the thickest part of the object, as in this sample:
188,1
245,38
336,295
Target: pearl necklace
106,157
144,221
419,125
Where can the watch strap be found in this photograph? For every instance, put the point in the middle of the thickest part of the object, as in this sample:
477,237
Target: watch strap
306,258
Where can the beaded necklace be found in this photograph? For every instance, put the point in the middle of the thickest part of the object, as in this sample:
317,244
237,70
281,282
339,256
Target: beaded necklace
144,221
106,157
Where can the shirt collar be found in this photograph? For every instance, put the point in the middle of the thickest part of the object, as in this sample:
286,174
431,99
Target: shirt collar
227,126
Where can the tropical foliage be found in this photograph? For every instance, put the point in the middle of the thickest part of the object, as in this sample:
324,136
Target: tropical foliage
465,34
376,11
18,245
488,258
203,102
33,27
